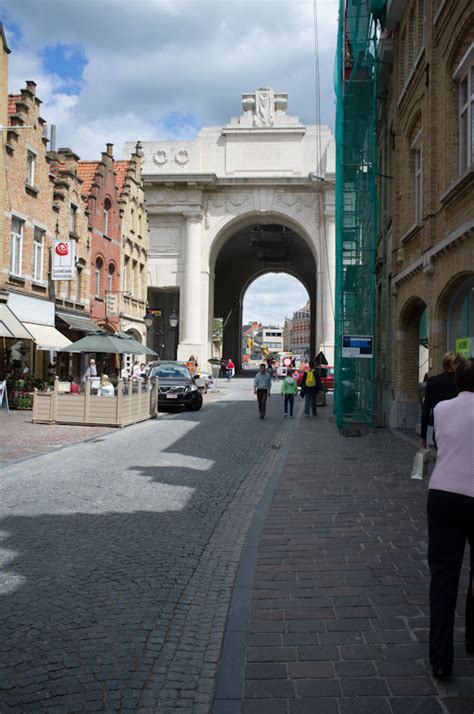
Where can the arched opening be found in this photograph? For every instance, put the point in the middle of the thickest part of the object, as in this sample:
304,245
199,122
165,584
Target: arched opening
413,360
455,317
276,317
254,250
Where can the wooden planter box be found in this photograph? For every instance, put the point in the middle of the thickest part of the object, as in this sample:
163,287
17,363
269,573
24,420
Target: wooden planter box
86,409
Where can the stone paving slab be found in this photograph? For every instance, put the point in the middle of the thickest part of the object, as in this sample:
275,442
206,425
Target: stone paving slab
21,439
339,611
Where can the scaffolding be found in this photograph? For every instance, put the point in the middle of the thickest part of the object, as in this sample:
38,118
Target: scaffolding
356,207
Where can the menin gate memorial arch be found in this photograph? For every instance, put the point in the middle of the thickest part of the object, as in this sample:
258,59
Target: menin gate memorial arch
235,203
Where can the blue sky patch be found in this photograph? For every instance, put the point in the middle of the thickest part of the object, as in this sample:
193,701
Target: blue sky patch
181,125
66,62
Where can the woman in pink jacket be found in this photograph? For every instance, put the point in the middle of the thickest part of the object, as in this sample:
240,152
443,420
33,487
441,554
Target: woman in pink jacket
451,519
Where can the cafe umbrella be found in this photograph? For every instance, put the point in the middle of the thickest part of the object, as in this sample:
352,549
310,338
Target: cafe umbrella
105,343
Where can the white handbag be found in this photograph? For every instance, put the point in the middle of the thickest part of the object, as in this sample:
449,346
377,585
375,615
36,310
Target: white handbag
420,465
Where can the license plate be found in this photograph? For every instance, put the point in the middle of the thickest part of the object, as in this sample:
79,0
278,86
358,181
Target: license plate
171,396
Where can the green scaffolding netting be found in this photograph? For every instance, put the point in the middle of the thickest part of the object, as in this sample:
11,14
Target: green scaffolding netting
356,206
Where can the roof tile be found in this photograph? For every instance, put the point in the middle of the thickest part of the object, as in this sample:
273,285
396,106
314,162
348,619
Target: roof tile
120,170
86,170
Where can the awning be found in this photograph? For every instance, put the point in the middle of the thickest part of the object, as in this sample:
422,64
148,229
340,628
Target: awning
47,337
83,324
10,325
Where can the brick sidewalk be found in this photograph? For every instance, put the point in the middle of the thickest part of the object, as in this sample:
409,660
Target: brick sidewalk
338,621
20,438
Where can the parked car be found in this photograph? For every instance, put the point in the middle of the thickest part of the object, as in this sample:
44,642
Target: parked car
176,386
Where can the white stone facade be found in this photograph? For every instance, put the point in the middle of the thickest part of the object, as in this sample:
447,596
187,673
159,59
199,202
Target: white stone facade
261,169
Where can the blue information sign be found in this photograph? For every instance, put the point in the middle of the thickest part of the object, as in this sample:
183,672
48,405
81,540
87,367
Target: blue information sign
359,346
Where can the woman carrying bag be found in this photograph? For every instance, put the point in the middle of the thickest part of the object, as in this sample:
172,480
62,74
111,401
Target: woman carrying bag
451,519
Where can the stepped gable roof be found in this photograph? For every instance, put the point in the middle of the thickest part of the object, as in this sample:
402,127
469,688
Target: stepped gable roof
120,170
86,170
12,100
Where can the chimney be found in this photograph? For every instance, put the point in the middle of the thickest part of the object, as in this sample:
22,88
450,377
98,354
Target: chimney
31,86
110,150
52,142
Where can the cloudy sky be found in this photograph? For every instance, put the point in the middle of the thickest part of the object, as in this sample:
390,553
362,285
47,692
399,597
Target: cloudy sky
122,70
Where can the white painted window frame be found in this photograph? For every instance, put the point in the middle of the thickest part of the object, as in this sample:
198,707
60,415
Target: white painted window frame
465,71
16,253
416,148
38,253
30,166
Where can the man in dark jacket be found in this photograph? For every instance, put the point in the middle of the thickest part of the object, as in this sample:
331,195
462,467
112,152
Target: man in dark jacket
310,386
438,389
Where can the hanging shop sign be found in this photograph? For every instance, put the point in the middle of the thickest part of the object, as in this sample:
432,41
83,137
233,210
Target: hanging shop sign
358,346
465,346
63,260
111,304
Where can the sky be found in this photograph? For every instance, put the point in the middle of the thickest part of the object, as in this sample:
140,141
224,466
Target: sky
128,70
273,297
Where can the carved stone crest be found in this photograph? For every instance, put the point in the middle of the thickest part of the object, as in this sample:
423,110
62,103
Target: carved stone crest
160,157
182,157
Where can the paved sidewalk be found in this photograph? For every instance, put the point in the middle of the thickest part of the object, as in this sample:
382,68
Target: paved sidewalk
338,622
20,438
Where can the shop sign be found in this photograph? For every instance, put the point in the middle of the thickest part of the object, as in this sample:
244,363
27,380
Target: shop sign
63,260
358,346
111,305
465,346
154,312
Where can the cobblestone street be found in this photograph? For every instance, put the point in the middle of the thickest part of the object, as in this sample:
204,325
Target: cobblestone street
143,572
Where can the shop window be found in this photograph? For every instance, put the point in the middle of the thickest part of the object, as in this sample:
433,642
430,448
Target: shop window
98,270
16,246
38,253
464,75
30,167
461,319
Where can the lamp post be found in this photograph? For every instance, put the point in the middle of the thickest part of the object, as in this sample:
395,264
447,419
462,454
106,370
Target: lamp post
173,320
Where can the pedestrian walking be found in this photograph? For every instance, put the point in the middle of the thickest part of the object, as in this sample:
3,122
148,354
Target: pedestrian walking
261,387
438,388
289,388
310,386
451,519
230,369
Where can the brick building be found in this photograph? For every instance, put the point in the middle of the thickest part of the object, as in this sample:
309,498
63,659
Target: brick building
300,331
100,191
31,341
134,253
425,252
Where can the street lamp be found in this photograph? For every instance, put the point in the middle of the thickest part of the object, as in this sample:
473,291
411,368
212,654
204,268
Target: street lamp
173,320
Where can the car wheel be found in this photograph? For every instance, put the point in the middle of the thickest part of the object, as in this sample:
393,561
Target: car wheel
196,403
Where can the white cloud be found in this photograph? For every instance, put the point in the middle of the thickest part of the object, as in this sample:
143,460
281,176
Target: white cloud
149,58
272,297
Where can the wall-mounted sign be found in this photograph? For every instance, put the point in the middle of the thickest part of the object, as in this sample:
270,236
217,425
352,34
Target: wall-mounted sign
111,305
154,311
465,346
359,346
63,260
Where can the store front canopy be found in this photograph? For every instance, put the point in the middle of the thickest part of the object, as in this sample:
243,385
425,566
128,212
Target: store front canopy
47,338
76,322
10,325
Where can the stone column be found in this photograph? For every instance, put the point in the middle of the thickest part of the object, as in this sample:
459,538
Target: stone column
326,287
190,317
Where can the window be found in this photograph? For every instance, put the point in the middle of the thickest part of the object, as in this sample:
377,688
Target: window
72,218
417,177
110,278
465,76
78,284
140,282
17,245
38,248
106,216
420,25
414,38
126,280
30,167
98,270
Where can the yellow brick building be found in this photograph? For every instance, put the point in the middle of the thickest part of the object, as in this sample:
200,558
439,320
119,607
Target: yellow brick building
425,252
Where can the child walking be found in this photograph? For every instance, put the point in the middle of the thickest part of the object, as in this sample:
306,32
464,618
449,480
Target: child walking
289,388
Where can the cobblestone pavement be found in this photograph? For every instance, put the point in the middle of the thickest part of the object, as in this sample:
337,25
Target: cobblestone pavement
118,558
338,621
20,438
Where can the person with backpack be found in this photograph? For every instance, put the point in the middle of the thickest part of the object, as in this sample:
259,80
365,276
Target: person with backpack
310,386
289,388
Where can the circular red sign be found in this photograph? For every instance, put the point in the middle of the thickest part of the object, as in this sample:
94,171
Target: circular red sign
62,249
287,361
